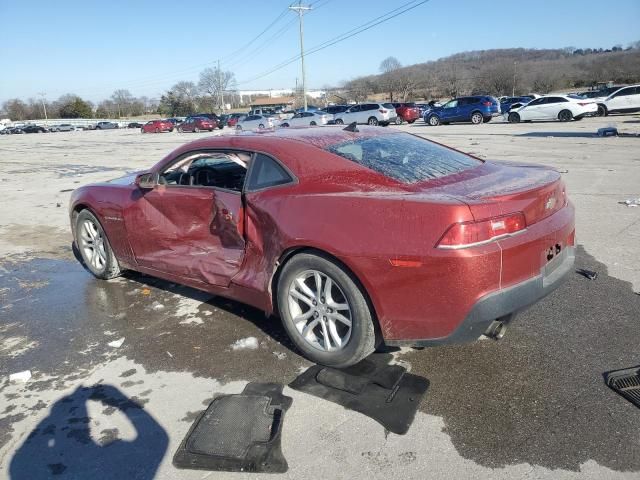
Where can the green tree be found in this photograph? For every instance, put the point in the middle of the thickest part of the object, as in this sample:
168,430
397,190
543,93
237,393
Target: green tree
72,106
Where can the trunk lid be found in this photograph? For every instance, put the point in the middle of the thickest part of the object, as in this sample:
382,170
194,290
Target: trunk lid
495,189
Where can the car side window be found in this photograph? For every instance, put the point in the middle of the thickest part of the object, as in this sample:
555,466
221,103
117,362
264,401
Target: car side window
624,92
266,172
226,170
537,101
451,104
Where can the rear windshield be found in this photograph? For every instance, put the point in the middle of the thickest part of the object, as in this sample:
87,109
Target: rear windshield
403,157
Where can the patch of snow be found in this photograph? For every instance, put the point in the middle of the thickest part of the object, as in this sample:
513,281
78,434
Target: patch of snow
249,343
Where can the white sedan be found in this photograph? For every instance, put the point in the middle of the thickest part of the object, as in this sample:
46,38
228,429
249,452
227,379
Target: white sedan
252,122
554,107
305,119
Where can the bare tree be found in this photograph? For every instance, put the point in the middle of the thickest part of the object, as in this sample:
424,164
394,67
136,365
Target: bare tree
391,78
213,82
123,99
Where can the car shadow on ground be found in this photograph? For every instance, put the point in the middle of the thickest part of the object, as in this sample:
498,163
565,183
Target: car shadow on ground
538,396
63,445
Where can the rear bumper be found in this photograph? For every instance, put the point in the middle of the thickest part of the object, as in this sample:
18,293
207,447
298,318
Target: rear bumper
504,302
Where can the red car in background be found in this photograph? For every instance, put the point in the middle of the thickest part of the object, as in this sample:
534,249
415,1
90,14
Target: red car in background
407,112
157,126
352,237
197,124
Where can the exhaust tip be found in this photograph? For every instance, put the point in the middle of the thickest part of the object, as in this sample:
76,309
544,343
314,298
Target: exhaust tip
496,330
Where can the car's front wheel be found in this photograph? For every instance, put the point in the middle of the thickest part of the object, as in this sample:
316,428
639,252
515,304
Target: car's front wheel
324,311
433,120
94,247
514,117
602,111
339,121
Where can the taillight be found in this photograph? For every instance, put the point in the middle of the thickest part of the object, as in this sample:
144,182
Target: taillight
468,234
382,110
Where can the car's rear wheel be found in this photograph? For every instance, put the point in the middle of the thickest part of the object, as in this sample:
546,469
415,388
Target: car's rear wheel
476,118
94,247
285,125
565,116
339,121
238,127
434,121
398,120
514,117
142,130
324,311
373,121
313,124
261,126
180,130
211,129
411,121
196,130
157,130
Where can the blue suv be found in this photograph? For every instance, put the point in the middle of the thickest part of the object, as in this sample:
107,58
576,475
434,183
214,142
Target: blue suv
475,109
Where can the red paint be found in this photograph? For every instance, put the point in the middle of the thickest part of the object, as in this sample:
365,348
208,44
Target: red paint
408,112
230,244
157,126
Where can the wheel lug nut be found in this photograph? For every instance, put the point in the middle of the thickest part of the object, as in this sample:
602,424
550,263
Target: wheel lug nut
315,303
322,299
324,318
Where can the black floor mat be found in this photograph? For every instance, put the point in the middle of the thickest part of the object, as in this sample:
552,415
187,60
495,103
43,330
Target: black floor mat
238,433
386,393
626,382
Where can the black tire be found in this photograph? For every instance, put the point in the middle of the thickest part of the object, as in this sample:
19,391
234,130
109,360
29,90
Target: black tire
285,125
433,120
196,130
211,129
487,119
339,121
373,121
514,117
602,111
411,121
577,119
565,116
157,130
180,130
362,341
398,120
261,126
171,129
238,127
220,127
111,268
476,118
313,124
142,130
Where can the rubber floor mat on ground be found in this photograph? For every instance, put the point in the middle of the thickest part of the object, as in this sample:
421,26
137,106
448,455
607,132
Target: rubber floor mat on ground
625,382
238,433
385,393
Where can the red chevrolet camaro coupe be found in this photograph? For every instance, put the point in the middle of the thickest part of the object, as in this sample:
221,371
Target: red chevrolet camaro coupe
352,237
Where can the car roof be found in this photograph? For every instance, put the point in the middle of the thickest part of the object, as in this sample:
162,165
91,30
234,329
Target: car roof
294,146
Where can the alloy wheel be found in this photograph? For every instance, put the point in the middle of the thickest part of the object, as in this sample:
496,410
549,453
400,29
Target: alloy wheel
92,245
320,311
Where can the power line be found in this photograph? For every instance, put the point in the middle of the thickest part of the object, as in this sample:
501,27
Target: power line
344,36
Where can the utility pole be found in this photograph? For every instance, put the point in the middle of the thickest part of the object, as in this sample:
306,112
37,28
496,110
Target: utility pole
515,69
44,105
220,92
300,9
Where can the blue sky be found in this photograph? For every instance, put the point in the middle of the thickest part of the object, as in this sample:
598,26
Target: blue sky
94,47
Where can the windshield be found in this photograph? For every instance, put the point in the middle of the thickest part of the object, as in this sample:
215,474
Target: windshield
404,157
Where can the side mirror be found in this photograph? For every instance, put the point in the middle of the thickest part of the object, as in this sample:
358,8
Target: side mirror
146,181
